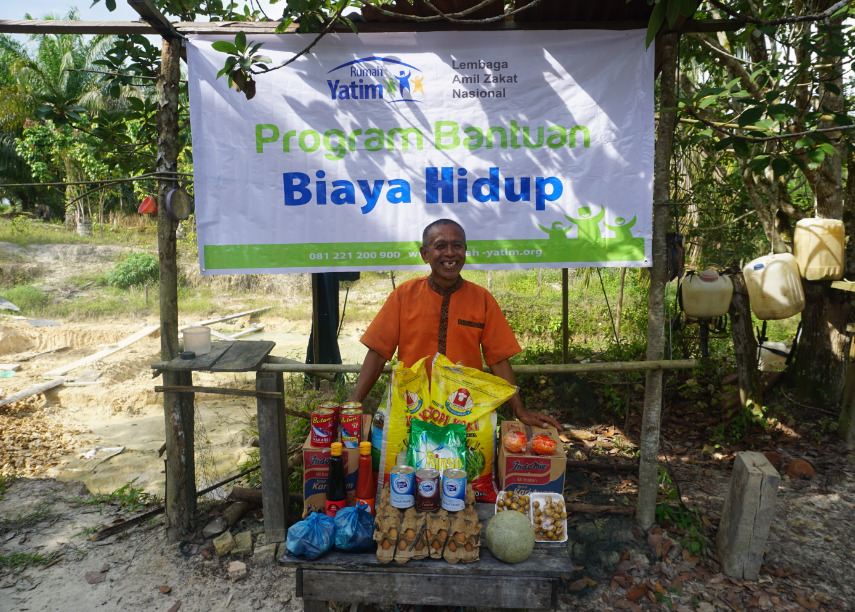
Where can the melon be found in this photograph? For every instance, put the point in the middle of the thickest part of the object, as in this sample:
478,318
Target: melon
510,536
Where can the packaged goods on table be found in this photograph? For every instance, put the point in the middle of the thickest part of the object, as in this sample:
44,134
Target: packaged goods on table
407,534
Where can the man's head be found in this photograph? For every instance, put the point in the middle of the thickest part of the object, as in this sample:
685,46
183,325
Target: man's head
444,249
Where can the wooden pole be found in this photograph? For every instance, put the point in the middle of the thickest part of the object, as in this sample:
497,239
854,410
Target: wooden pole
180,498
648,471
273,454
565,314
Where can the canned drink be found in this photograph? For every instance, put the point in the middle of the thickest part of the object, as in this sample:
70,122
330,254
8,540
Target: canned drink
351,405
402,486
427,490
351,427
336,408
453,489
323,420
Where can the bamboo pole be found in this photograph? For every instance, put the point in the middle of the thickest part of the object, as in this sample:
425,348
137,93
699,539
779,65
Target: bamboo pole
557,368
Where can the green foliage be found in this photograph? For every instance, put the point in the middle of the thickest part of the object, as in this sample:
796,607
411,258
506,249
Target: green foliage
136,269
128,497
687,522
737,422
28,298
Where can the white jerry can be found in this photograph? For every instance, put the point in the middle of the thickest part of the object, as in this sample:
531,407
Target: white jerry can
818,246
706,295
774,286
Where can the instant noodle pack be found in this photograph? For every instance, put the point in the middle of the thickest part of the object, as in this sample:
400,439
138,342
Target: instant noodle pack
455,399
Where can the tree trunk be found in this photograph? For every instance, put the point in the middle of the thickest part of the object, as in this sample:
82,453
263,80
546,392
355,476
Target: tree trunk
821,356
744,344
648,469
819,366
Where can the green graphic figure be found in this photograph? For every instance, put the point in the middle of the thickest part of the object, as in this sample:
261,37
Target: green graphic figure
391,85
557,231
622,228
589,225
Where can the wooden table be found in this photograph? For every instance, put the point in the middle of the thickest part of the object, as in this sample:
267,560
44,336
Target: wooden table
234,356
486,583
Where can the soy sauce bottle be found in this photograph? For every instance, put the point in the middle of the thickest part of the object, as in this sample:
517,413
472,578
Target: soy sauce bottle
336,497
366,486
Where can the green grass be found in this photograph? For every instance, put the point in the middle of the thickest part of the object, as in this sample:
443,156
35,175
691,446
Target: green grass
20,560
44,510
25,232
128,497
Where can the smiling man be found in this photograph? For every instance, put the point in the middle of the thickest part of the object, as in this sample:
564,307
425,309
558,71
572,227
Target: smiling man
443,313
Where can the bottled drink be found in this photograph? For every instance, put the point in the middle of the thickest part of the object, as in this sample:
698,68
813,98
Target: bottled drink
366,485
336,493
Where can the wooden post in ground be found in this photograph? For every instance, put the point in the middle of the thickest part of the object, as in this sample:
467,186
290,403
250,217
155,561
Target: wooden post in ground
747,515
648,470
180,498
274,455
846,426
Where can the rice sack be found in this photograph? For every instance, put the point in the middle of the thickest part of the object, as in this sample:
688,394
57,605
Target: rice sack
440,448
459,394
409,393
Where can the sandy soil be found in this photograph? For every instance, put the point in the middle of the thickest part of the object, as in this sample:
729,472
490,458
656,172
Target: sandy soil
63,446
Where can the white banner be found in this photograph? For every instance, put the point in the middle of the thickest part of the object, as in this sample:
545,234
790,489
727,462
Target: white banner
539,143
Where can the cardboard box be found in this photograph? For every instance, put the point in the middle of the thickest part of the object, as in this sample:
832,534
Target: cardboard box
527,472
316,467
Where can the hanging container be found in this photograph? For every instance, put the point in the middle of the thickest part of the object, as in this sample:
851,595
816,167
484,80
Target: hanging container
774,286
706,295
818,248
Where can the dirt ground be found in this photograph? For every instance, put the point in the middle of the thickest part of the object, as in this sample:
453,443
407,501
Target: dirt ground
79,439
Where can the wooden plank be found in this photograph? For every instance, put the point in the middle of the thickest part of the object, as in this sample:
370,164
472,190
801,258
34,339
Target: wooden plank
235,316
34,355
143,333
747,515
246,332
217,390
40,388
843,285
546,561
243,356
9,366
430,589
202,362
273,454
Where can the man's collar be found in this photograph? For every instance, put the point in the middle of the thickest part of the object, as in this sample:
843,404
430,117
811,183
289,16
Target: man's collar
442,290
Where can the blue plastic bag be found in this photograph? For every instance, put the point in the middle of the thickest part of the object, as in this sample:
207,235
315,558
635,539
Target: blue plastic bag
311,537
354,529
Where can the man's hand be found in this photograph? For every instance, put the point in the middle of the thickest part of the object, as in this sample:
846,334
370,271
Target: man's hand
503,369
536,419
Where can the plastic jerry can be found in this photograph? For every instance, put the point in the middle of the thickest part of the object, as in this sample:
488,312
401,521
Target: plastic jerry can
774,286
706,295
818,248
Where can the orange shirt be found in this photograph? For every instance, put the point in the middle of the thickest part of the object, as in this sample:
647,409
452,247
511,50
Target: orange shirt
420,318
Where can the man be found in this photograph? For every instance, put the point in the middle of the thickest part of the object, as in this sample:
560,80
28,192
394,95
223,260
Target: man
443,313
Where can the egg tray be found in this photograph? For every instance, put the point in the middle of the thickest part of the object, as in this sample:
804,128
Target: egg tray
402,535
526,503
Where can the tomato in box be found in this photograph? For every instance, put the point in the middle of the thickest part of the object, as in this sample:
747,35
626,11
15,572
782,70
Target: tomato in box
527,472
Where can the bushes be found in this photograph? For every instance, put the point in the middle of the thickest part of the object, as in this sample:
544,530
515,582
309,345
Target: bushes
135,269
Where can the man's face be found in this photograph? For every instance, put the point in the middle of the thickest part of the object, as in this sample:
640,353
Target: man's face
445,253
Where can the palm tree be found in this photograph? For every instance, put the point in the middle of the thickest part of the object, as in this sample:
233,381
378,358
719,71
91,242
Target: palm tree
49,80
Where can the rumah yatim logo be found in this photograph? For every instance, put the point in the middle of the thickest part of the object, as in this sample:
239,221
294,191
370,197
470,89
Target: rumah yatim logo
385,79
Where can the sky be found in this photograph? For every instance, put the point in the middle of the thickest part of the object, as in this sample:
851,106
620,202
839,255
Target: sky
39,8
